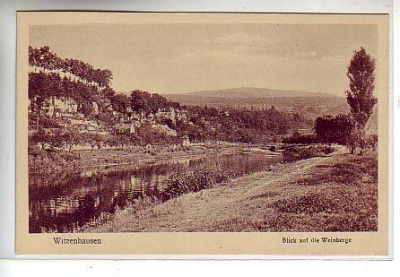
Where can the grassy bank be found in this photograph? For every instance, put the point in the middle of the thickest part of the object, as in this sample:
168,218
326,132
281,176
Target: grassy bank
334,193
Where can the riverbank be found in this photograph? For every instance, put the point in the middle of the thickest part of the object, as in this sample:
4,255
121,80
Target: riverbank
333,193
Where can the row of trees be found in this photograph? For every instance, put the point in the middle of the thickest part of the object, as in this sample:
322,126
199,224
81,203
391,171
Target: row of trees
46,60
68,138
83,83
43,86
70,78
65,138
147,103
142,102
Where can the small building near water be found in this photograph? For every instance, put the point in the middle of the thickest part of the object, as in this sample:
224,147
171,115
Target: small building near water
185,141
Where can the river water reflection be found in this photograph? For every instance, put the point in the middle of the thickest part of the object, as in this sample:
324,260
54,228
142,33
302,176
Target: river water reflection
92,197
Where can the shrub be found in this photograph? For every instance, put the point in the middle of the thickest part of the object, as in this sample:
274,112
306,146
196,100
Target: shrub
181,183
299,153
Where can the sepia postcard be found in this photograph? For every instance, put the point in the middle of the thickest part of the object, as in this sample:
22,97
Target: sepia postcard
202,134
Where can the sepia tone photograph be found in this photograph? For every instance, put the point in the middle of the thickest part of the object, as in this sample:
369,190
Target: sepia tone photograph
219,123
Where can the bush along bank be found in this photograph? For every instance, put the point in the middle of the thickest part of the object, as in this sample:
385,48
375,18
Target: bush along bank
306,152
185,182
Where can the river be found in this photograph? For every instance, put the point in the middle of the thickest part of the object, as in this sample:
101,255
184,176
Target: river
90,198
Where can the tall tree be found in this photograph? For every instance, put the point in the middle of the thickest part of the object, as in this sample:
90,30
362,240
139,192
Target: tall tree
106,78
140,102
361,73
108,92
120,103
34,57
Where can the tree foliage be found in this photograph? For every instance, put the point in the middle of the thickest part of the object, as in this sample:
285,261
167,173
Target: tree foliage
249,126
337,129
145,103
120,103
362,83
70,78
46,60
349,129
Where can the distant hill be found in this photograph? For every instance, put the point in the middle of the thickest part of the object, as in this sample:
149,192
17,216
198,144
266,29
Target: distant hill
309,104
248,92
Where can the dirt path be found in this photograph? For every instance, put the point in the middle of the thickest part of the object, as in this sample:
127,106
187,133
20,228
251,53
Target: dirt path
300,196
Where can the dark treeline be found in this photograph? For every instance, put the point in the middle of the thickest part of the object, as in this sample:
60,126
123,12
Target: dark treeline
80,81
343,130
337,129
340,129
248,126
327,129
43,59
43,86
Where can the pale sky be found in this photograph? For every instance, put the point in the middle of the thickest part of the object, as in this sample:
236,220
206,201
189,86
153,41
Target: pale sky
179,58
